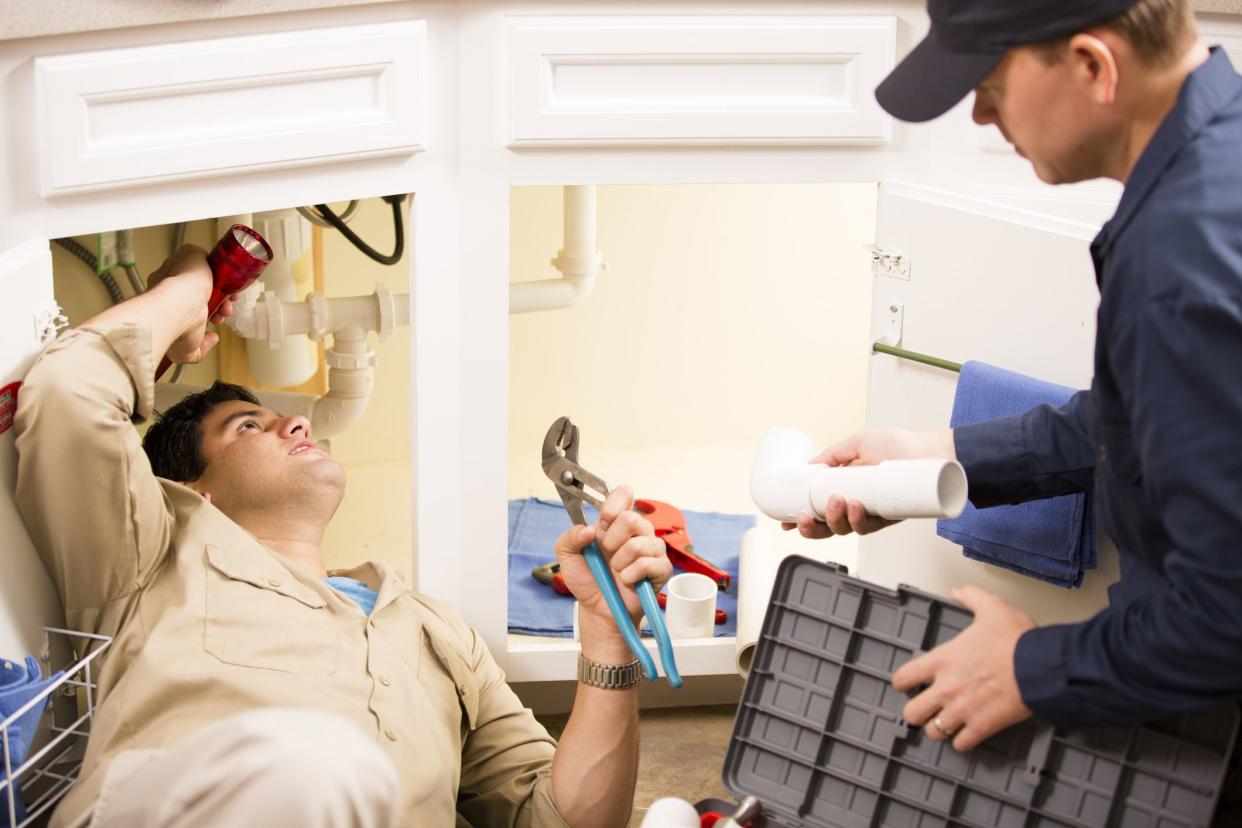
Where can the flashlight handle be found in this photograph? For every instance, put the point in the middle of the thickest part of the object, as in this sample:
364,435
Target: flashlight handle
236,261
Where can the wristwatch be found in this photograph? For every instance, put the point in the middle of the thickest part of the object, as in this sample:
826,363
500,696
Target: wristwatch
609,676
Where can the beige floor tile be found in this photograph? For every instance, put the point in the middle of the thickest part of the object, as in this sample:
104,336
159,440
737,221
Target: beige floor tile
682,752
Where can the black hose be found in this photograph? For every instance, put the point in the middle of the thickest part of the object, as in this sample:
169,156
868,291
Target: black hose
135,280
114,290
398,245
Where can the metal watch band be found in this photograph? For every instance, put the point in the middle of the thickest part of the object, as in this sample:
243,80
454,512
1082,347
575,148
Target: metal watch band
609,676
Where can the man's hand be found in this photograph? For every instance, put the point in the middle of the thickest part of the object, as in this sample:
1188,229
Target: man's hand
184,281
628,544
866,448
974,692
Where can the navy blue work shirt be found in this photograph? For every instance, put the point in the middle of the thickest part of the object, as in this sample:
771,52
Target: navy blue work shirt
1159,435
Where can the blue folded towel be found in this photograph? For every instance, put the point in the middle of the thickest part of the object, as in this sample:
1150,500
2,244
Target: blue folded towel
534,609
19,683
1053,540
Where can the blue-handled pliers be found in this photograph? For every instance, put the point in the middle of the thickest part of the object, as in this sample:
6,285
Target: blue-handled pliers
575,484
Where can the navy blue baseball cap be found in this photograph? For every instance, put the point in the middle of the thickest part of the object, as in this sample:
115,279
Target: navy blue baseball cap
967,40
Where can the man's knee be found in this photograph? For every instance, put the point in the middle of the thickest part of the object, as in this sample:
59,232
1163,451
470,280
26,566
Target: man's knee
322,748
307,765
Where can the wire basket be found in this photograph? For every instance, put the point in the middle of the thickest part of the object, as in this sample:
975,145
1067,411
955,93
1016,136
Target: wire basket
47,774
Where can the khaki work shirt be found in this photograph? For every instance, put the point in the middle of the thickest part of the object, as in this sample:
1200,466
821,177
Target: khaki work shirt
208,622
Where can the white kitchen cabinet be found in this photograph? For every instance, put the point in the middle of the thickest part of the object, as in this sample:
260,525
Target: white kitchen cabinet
459,101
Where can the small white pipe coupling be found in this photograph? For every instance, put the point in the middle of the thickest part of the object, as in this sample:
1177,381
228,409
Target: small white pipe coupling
784,484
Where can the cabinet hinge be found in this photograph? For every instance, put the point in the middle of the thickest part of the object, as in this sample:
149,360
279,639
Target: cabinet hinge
889,261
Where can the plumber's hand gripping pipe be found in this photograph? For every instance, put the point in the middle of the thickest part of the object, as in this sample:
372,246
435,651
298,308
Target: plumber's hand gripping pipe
236,261
560,464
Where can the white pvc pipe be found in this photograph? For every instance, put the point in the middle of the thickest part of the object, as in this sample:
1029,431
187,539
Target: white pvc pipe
579,260
351,379
290,363
270,319
351,363
784,484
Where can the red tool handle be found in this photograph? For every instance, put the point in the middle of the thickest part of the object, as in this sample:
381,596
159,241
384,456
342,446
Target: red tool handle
684,558
662,598
236,261
670,525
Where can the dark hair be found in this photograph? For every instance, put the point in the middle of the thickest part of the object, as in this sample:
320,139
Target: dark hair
1157,30
174,442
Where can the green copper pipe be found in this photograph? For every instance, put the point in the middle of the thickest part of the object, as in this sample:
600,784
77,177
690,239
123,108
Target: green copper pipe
881,348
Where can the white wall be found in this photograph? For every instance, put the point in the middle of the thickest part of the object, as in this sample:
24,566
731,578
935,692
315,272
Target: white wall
725,308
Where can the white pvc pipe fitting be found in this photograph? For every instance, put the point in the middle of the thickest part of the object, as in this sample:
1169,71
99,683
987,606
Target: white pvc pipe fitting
671,812
784,484
691,608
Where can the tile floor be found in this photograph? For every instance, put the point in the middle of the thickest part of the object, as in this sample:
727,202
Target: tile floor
682,752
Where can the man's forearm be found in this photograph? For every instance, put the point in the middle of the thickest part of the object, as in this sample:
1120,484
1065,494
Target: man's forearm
168,309
596,763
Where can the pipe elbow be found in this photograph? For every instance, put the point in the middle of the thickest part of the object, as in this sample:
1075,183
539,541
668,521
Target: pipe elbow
349,392
780,477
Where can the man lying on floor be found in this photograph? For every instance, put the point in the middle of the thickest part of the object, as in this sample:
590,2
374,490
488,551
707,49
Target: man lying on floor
246,685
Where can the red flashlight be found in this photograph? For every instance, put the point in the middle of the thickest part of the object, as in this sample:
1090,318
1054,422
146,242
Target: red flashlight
236,261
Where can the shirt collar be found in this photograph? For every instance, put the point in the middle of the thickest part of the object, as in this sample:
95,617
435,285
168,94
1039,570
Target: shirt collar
1206,91
380,577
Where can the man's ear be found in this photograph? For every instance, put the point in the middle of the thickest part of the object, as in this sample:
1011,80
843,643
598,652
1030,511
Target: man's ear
1094,66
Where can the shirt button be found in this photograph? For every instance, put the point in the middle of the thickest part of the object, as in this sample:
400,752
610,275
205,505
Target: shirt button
274,581
1103,454
392,737
384,681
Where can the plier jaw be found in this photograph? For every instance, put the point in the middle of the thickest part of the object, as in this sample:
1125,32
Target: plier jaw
573,483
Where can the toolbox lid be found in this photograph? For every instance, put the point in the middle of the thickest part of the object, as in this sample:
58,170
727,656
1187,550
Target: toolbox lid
819,737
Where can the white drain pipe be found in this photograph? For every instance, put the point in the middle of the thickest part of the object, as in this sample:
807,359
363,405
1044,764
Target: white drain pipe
579,261
294,362
351,362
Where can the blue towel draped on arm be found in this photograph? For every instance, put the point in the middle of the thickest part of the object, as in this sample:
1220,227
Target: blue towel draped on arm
1053,540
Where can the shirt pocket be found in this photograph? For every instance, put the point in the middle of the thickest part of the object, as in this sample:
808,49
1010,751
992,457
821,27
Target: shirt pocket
465,683
258,615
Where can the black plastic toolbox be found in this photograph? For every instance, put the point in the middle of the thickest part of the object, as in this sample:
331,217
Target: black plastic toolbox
819,738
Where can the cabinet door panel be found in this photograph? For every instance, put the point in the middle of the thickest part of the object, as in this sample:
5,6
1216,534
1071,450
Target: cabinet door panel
985,282
666,81
120,117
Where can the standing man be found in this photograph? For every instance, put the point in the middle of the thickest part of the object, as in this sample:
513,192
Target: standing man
1121,89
